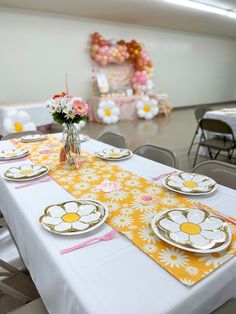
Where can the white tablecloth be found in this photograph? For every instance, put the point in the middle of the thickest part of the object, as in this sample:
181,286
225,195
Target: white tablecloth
112,277
38,112
221,115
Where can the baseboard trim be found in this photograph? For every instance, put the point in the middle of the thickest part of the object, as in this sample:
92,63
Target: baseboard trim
207,104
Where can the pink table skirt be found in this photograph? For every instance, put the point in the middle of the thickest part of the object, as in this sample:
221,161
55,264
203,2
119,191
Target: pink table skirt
127,105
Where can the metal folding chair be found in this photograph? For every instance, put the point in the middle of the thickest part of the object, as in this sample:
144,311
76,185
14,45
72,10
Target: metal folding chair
113,139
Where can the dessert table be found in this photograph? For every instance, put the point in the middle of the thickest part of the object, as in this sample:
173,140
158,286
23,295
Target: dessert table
38,112
109,277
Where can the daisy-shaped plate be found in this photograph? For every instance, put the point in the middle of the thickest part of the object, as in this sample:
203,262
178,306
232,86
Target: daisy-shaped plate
189,183
83,137
74,217
25,172
114,154
192,229
15,153
33,138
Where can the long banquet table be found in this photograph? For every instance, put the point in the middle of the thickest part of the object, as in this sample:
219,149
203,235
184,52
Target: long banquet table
110,277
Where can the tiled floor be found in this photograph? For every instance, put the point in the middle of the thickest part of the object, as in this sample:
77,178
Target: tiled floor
174,132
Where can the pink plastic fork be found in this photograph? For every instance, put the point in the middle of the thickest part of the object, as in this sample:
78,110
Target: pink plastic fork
108,236
163,175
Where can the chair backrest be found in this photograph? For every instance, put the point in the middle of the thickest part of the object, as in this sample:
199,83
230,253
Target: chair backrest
19,134
215,125
200,112
159,154
223,173
113,139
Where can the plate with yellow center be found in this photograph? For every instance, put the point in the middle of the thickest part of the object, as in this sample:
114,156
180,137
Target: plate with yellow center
192,229
25,172
114,154
74,217
190,183
14,153
33,138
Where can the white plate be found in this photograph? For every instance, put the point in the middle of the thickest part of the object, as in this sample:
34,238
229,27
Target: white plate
33,138
16,174
177,182
166,229
83,137
87,215
114,154
15,153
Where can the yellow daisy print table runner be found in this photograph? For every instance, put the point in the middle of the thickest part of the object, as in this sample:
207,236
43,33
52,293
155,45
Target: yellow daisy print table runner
131,208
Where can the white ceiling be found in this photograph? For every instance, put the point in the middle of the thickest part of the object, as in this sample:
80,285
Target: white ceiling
156,13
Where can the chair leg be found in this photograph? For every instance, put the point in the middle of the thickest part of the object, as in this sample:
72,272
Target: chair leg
191,145
217,154
14,293
195,159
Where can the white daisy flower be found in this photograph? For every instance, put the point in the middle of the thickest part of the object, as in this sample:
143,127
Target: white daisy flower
122,175
18,121
108,111
169,201
112,206
147,234
173,257
216,259
82,186
187,282
190,182
154,189
117,195
91,195
71,216
194,227
147,108
132,183
193,271
150,248
147,216
127,211
128,234
122,221
143,206
92,177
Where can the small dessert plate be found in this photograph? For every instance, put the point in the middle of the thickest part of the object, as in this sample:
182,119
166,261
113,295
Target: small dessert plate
83,137
33,138
14,153
189,183
74,217
192,229
25,172
114,154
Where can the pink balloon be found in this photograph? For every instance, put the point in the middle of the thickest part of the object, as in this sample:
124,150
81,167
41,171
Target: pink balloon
98,58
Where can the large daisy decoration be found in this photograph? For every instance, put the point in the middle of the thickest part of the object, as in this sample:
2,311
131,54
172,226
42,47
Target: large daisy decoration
74,217
108,111
147,108
189,183
18,121
193,228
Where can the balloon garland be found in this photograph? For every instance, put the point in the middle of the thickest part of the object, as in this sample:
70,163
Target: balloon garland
105,52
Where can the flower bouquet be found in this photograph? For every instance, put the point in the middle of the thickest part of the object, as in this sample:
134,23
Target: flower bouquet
72,112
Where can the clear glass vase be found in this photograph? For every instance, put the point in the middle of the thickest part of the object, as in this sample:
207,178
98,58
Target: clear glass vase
71,145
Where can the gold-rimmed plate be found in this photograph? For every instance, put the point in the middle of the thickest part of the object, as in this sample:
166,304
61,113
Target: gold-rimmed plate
189,183
114,154
14,153
33,138
192,229
74,217
25,172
